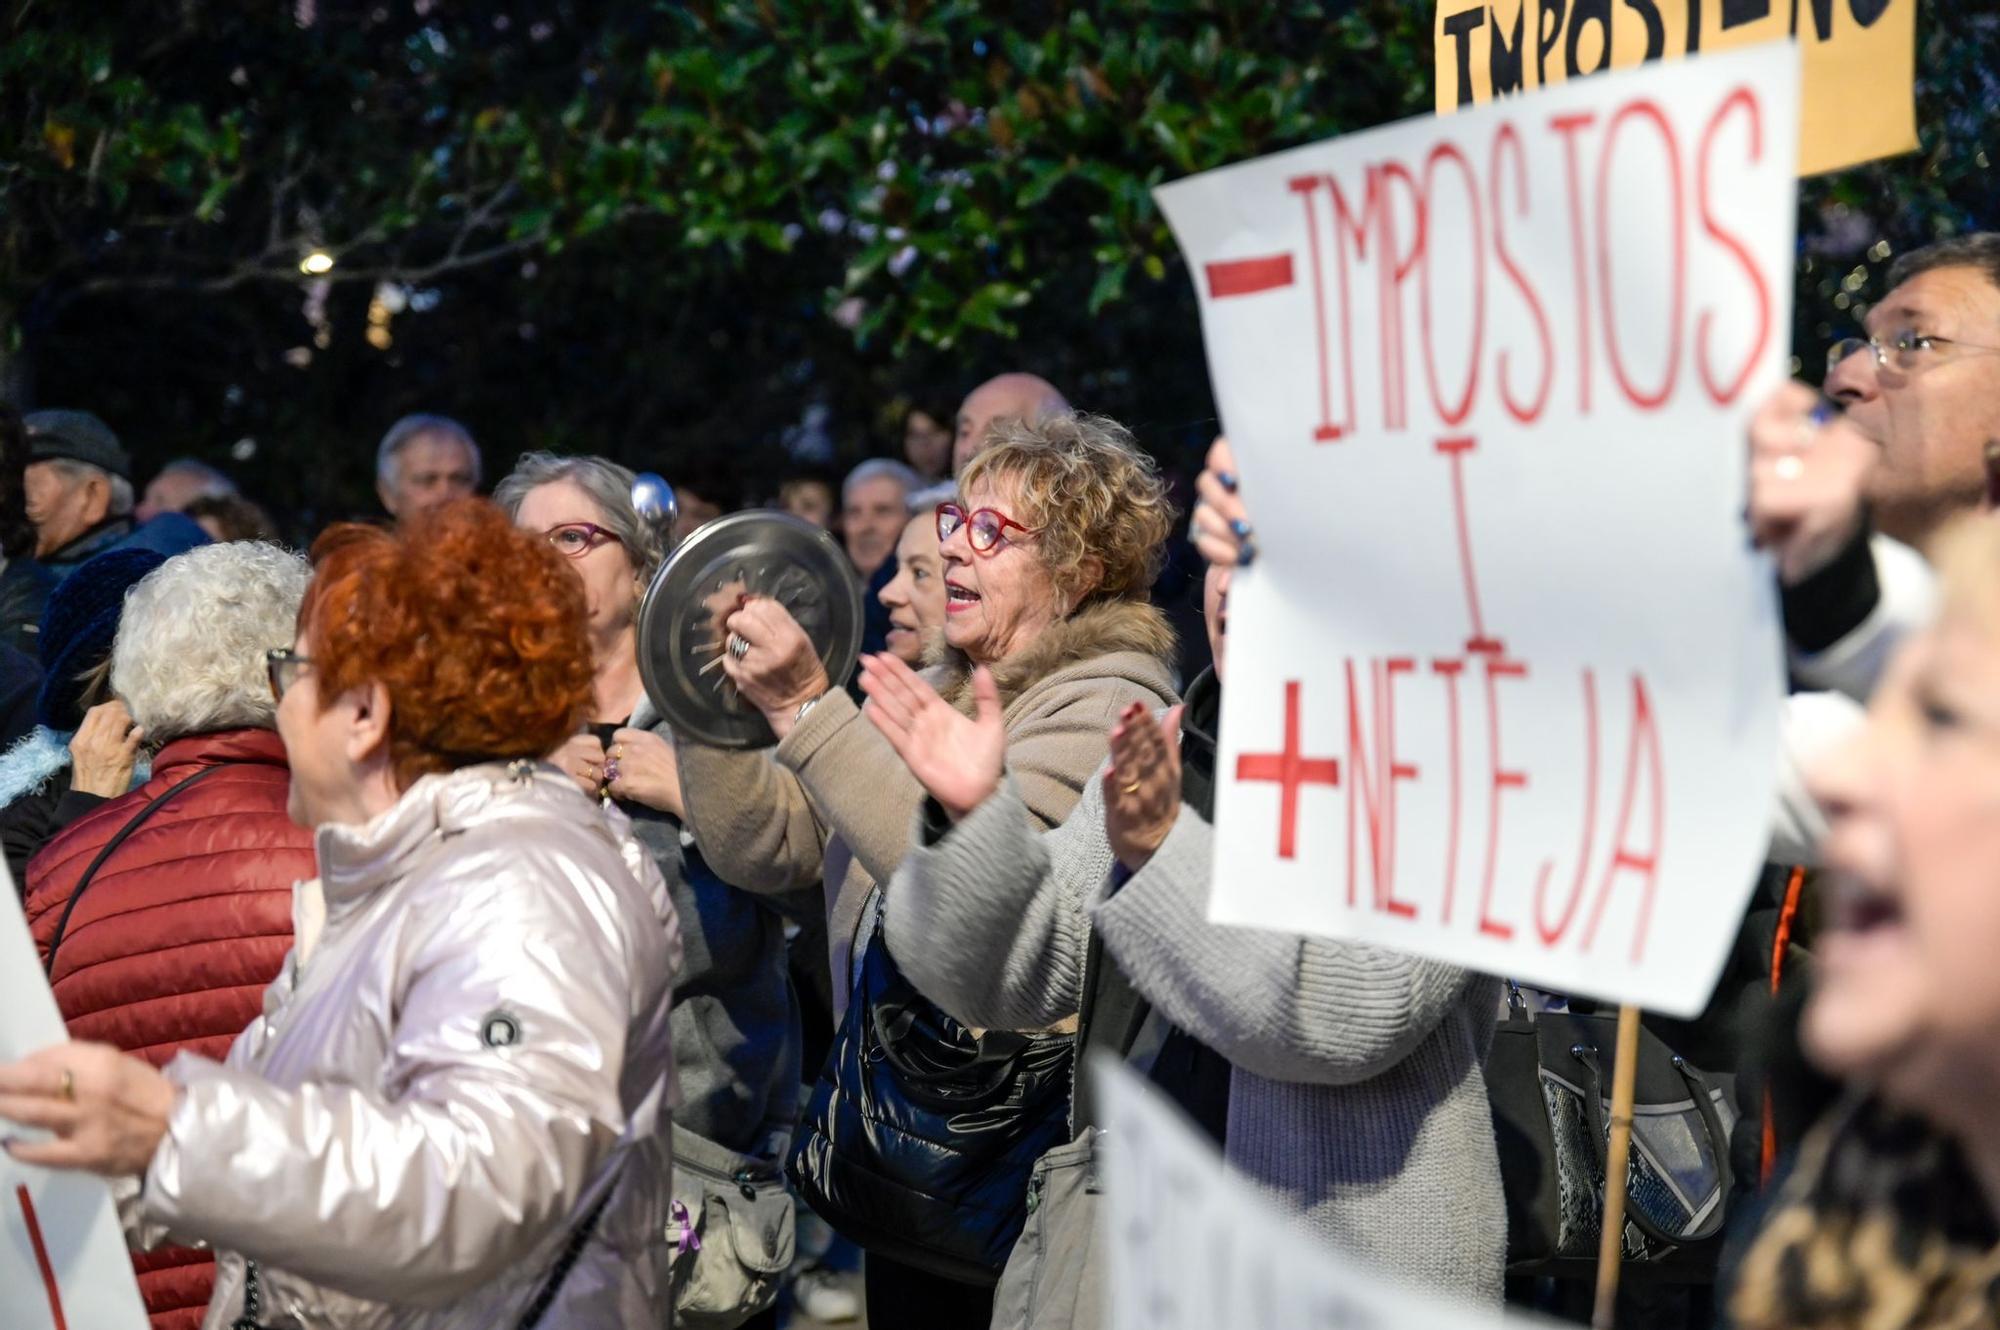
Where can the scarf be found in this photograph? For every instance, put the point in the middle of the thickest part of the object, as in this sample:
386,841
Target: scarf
1881,1227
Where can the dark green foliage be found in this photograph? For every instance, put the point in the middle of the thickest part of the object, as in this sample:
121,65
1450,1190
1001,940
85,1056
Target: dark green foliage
662,231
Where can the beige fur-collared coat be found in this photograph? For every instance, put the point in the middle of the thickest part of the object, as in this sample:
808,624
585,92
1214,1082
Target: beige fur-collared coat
834,803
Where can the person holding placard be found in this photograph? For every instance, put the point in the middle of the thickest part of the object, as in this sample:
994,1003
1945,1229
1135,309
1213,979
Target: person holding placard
1356,1095
452,1111
1921,392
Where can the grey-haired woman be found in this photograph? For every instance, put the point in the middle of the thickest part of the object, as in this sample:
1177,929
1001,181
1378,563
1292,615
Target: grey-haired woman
735,1028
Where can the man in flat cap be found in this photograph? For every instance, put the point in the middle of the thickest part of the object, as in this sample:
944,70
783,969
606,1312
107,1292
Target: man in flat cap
79,487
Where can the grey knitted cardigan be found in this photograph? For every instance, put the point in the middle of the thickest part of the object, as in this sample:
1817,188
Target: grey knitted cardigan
1357,1099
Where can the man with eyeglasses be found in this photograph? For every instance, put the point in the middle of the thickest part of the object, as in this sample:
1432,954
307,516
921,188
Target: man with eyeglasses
1925,385
1847,490
1899,443
1920,399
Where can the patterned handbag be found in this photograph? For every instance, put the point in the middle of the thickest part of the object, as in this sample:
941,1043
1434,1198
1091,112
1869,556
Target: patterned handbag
1549,1082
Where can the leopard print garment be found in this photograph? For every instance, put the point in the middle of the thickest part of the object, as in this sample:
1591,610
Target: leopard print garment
1881,1227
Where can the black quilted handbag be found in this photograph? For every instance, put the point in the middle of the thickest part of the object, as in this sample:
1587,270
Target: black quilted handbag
1549,1082
920,1136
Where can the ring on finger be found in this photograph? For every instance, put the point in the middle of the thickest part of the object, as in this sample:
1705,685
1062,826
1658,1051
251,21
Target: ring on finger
1130,787
66,1089
739,646
1788,467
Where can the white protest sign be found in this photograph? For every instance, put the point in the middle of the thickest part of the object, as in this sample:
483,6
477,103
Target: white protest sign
1504,679
63,1262
1191,1247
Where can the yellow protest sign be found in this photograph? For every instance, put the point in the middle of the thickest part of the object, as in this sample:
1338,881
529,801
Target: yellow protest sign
1859,57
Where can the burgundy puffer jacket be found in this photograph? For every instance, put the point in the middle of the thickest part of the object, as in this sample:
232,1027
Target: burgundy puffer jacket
180,932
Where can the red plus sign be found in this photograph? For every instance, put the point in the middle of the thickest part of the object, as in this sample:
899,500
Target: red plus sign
1290,771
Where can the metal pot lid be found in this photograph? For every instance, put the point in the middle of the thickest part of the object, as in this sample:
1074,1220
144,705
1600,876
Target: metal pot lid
757,553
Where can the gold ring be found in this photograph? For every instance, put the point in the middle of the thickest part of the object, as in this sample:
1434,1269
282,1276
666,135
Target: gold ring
67,1089
1133,788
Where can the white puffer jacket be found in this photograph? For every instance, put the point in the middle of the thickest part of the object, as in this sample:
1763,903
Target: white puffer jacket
466,1052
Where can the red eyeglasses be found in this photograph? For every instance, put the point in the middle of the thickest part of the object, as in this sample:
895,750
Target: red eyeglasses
576,539
983,526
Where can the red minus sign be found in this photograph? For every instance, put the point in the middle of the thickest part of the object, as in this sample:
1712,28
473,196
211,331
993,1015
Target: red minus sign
1246,277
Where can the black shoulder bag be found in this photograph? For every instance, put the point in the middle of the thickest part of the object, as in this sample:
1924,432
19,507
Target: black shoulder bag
110,847
921,1136
1548,1078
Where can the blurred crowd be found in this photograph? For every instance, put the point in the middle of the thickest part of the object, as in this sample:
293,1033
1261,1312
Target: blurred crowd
419,973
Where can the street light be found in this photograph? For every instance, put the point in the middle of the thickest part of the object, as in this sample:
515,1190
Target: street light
316,263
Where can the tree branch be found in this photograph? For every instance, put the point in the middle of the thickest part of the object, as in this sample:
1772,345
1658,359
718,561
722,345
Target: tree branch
285,270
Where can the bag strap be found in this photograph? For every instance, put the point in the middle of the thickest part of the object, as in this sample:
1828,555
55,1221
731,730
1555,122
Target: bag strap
253,1299
1718,1144
996,1054
1718,1138
572,1250
889,1022
90,873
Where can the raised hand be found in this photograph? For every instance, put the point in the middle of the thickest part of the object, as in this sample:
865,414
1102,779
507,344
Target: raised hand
775,668
642,767
104,751
582,759
1142,787
1220,526
1807,470
959,760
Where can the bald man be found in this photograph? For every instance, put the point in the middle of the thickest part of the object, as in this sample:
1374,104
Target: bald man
1016,396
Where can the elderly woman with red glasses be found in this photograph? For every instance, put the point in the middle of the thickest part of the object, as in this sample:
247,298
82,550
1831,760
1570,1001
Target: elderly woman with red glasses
1049,555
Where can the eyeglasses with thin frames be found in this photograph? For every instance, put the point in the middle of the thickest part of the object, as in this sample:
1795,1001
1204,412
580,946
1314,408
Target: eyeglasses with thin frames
983,526
1907,352
282,666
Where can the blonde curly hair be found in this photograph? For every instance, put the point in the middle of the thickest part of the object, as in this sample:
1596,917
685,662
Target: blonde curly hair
1097,502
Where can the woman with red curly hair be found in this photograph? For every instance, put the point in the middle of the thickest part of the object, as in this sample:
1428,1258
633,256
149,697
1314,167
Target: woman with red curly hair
451,1111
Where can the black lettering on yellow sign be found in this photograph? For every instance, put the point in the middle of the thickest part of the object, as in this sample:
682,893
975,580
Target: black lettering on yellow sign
1858,56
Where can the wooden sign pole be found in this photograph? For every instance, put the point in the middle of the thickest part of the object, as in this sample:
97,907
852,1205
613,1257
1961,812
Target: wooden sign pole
1619,1152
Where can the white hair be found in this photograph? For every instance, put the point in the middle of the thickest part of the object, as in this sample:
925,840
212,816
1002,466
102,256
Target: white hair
880,468
926,500
121,501
189,657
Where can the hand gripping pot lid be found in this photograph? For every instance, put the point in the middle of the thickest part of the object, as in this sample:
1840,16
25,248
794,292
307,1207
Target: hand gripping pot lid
760,553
